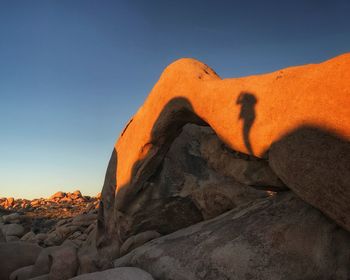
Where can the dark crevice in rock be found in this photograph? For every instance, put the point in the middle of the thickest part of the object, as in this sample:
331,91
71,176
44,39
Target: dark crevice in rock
198,178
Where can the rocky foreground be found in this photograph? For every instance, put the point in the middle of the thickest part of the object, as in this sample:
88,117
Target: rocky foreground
211,179
48,222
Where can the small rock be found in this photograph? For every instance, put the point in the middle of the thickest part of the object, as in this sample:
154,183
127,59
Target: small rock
61,222
57,195
74,235
84,220
28,236
41,236
54,239
76,194
82,237
138,240
35,202
13,229
12,238
42,263
10,201
90,228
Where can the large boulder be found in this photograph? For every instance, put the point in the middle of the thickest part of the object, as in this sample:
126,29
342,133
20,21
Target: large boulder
318,170
240,112
64,263
277,238
13,230
15,255
43,262
58,262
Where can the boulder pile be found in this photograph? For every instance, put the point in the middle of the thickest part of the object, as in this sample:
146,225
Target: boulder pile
60,204
50,221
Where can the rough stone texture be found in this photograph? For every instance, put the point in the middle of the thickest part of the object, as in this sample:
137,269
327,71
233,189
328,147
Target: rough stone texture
239,111
2,236
277,238
13,230
12,238
58,195
43,262
15,255
14,218
22,274
28,236
121,273
64,263
315,154
245,169
138,240
186,189
84,220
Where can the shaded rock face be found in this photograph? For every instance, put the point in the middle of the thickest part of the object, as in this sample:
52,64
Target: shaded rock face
318,171
15,255
189,186
240,111
277,238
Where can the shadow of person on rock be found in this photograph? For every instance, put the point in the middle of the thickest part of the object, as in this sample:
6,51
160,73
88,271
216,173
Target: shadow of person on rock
247,102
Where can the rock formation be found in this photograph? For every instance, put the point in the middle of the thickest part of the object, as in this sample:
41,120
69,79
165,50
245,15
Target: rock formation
293,119
245,178
49,222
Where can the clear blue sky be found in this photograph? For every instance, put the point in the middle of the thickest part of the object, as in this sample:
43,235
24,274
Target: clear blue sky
72,72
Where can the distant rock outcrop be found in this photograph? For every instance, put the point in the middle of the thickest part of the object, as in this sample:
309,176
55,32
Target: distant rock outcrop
49,222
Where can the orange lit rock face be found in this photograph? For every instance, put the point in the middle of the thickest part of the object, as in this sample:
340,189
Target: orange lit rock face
250,115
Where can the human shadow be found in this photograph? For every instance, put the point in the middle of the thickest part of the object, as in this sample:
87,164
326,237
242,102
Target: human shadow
247,101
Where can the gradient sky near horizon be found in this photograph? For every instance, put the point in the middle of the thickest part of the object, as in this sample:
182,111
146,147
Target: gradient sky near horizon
72,72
